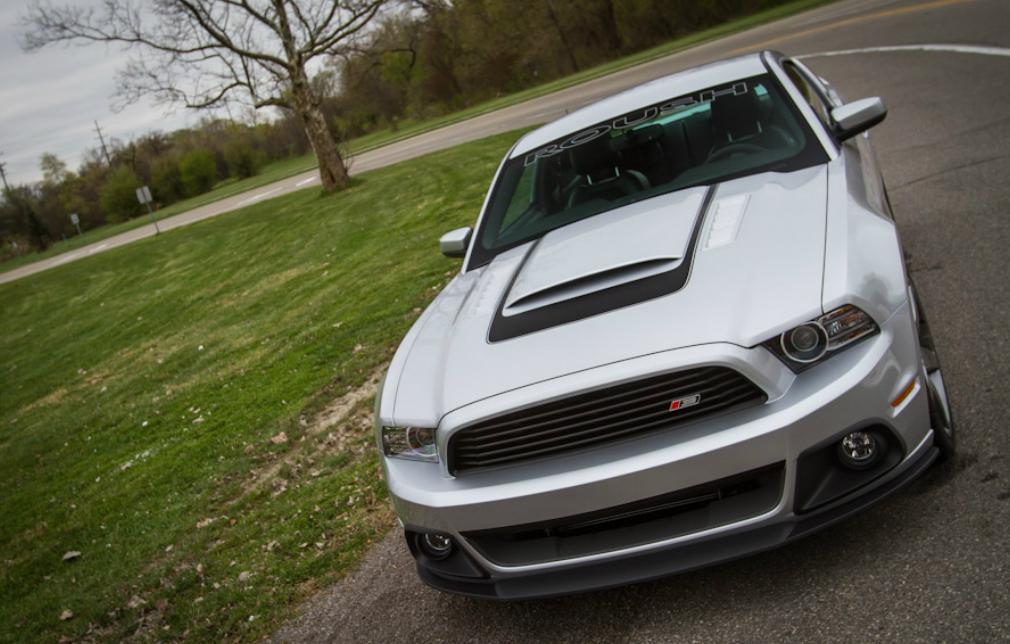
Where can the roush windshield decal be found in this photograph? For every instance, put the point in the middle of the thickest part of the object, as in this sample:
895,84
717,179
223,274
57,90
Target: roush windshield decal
637,117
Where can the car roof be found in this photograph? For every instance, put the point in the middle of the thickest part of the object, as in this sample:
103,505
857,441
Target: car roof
650,93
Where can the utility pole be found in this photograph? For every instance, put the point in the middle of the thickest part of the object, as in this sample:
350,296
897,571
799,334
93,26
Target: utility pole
6,192
105,150
3,175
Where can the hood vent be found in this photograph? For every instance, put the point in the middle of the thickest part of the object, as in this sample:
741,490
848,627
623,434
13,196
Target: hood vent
590,284
600,292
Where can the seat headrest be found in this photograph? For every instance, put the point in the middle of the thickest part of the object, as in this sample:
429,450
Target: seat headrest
738,115
645,134
594,158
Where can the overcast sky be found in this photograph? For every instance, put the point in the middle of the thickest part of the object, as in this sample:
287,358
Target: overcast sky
50,99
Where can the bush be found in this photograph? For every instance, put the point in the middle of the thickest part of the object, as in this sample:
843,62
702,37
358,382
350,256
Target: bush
243,160
166,180
198,172
118,194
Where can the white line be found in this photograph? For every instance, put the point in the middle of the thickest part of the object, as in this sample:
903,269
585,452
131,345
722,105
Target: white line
305,182
958,49
261,195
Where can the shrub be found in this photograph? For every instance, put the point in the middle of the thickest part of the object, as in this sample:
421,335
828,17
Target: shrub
118,195
166,180
198,172
243,160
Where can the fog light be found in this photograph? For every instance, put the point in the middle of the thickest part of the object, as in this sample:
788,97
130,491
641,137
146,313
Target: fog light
436,546
860,450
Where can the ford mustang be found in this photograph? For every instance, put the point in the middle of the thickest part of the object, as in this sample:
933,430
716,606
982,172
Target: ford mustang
683,332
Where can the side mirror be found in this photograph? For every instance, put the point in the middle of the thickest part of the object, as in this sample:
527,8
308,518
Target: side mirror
455,242
858,116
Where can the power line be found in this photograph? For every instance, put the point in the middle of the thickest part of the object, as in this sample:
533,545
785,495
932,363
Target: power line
102,139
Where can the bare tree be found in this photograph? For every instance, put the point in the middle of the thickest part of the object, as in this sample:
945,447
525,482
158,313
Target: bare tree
207,53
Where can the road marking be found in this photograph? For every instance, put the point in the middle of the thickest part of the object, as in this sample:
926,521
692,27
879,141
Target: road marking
959,49
261,195
887,13
305,182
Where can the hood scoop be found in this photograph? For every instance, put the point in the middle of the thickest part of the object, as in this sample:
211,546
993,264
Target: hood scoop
604,262
590,284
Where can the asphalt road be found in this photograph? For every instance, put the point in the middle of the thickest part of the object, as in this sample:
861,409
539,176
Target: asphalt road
931,563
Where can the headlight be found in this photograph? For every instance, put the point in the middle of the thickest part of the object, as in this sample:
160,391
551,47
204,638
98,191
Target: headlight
415,443
808,344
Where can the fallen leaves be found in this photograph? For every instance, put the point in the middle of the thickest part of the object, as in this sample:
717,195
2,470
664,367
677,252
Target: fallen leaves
72,555
67,614
279,439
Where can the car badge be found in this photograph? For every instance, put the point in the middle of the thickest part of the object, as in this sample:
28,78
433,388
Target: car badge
686,401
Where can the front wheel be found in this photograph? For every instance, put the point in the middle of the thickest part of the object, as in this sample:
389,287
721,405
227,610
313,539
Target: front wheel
939,414
940,417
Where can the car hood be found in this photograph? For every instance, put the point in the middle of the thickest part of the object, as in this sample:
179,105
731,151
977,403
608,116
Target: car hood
755,269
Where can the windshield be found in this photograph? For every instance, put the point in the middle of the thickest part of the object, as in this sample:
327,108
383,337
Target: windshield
709,136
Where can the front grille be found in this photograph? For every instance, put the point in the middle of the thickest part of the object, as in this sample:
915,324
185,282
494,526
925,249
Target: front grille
600,416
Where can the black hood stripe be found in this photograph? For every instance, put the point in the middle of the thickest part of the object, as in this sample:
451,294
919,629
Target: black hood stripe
602,301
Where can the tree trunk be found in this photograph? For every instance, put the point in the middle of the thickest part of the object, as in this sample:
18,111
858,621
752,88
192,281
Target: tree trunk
561,34
608,24
332,171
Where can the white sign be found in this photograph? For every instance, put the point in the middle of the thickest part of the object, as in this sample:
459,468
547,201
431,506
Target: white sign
74,219
144,195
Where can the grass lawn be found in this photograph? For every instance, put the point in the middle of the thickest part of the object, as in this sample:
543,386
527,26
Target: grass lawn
275,171
145,392
289,167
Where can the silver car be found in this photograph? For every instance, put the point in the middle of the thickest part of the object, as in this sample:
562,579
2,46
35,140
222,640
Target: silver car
683,332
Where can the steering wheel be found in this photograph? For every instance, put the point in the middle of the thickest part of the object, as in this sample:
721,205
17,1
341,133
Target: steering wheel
734,148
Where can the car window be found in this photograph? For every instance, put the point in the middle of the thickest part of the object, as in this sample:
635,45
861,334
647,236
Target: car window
521,200
810,95
712,135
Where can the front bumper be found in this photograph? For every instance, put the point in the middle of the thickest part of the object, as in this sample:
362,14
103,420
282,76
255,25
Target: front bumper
677,558
851,390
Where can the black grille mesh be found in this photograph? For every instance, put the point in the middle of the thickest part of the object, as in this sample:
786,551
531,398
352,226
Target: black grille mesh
600,416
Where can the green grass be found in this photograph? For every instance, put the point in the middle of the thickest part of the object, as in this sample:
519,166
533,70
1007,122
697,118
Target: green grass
272,172
289,167
141,388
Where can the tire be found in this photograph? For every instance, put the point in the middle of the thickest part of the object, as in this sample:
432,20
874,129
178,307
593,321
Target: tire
941,418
